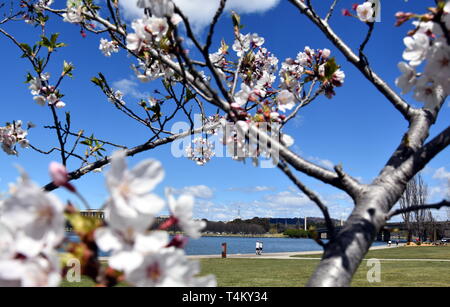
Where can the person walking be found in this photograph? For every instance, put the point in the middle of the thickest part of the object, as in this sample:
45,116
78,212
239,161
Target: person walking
257,247
260,248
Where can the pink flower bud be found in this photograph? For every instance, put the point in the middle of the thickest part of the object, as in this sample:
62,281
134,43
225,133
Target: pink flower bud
60,176
346,12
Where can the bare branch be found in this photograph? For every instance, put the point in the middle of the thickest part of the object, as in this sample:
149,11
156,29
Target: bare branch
443,203
213,24
331,10
311,195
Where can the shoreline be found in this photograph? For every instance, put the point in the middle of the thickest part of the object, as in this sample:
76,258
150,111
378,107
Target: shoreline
280,255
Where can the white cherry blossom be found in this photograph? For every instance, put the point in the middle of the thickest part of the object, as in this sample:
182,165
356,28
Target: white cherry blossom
181,210
243,95
131,204
285,100
107,47
35,217
168,268
242,44
417,47
74,12
426,92
366,12
438,66
42,271
408,80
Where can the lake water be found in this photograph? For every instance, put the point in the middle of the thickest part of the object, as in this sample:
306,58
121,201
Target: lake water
244,245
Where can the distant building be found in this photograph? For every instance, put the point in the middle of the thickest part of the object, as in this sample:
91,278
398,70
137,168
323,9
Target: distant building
100,214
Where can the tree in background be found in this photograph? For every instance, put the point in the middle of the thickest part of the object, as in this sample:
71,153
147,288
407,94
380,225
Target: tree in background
421,223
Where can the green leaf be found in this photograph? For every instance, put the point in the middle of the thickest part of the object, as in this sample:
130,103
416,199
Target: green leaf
330,68
28,51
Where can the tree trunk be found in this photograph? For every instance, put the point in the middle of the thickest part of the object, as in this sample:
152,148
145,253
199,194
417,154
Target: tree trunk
343,255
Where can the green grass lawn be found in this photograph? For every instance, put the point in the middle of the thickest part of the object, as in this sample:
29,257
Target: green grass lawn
296,272
415,252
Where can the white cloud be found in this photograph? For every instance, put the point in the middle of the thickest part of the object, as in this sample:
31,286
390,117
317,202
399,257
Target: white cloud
198,191
288,198
129,88
201,12
254,189
441,173
323,162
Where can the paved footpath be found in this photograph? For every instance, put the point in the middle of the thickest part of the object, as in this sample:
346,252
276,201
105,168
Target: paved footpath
288,255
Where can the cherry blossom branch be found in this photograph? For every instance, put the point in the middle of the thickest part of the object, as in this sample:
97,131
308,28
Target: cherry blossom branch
59,135
20,47
201,87
371,26
303,103
129,152
402,106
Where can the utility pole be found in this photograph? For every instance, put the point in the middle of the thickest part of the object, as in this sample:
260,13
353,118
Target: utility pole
305,223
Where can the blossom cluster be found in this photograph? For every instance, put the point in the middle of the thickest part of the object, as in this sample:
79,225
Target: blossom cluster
44,93
152,32
75,10
310,66
147,257
243,140
427,47
152,29
201,151
11,135
108,47
31,229
257,69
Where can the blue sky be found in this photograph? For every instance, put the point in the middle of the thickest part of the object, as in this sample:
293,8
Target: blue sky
357,128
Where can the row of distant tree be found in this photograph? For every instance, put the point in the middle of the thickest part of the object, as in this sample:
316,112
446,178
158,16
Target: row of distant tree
255,225
258,225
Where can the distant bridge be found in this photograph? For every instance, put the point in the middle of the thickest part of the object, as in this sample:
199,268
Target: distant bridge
385,234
